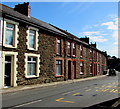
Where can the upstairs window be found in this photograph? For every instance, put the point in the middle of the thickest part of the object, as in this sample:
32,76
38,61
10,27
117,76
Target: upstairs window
58,46
74,49
10,34
91,54
81,51
32,35
58,67
9,40
69,49
32,38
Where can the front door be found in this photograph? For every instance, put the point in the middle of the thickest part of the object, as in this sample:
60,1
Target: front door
69,69
8,70
74,67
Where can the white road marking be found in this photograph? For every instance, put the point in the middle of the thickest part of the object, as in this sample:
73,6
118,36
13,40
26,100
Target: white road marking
25,104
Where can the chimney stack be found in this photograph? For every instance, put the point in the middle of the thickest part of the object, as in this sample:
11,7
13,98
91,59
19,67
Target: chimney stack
94,45
23,8
85,39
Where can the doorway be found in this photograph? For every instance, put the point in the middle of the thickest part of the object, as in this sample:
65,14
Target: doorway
8,71
69,69
74,67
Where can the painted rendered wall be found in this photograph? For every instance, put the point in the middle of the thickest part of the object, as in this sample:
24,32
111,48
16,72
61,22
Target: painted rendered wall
1,24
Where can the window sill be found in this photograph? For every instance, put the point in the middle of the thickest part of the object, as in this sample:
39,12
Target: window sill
32,76
32,49
81,73
68,55
58,55
8,46
74,56
59,75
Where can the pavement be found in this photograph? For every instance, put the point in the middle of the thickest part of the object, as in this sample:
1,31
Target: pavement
28,87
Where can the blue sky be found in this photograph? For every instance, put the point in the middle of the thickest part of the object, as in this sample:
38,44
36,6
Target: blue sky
97,20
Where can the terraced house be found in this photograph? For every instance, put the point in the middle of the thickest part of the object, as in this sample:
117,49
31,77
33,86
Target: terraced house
35,52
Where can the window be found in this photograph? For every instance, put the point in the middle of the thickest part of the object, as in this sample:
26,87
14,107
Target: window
32,65
10,34
1,26
32,43
91,68
98,68
32,39
58,67
91,54
74,49
58,46
81,51
69,48
81,68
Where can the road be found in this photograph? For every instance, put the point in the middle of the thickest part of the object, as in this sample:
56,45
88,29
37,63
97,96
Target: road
77,94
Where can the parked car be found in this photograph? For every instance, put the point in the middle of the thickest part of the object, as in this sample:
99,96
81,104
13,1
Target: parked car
111,72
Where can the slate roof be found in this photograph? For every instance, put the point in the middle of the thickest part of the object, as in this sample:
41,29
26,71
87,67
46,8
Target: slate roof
5,10
10,11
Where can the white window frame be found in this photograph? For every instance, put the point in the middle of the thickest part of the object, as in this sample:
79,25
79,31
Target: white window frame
14,67
1,28
15,41
37,64
81,73
74,47
36,38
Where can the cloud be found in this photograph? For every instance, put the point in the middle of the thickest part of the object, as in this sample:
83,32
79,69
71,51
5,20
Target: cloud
112,25
95,36
113,51
90,33
98,39
115,36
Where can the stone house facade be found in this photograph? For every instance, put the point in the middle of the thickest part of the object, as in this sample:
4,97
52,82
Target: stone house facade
35,52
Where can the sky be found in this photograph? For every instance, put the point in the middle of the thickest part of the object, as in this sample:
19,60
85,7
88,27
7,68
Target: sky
96,20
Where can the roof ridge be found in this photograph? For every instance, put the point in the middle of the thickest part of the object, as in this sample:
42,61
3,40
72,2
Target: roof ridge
6,6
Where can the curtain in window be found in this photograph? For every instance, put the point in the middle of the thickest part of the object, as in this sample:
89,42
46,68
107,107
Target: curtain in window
31,68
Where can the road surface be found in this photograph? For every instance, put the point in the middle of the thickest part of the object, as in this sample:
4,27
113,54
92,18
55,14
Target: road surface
77,94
